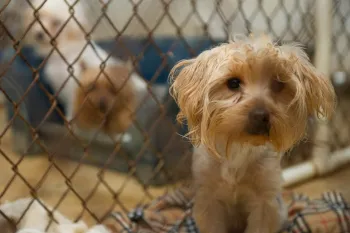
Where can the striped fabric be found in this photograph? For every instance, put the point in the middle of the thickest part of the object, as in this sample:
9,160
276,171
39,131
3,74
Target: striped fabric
172,213
330,214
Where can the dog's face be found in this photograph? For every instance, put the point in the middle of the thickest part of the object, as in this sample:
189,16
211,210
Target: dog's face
105,98
252,92
53,22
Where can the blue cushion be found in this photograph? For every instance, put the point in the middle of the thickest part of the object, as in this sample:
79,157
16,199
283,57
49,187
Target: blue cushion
150,64
150,55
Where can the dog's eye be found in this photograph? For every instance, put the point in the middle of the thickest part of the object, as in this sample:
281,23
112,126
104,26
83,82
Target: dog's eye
277,86
233,83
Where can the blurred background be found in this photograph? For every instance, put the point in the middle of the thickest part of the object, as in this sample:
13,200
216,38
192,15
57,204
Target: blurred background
85,177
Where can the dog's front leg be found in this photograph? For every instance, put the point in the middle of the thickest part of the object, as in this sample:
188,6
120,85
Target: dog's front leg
265,217
209,214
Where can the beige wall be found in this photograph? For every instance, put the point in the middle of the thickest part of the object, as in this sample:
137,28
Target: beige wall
120,11
151,11
205,12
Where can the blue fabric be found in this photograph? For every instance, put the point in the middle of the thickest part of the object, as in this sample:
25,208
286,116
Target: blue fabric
151,66
172,49
18,79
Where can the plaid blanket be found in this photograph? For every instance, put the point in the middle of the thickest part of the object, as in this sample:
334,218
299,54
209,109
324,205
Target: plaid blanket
172,213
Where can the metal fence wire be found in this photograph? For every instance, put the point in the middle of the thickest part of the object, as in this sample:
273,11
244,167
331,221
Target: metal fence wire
110,59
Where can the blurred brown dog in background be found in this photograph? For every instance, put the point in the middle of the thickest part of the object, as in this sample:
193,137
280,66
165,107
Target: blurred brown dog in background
106,99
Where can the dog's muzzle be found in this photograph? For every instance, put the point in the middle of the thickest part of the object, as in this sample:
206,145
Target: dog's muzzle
258,122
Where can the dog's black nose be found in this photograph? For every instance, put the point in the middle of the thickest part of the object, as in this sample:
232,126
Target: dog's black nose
39,36
103,105
258,121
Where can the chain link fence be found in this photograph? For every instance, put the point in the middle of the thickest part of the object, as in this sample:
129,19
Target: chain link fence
124,149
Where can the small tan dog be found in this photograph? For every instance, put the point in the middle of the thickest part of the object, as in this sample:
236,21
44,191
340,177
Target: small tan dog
106,100
246,103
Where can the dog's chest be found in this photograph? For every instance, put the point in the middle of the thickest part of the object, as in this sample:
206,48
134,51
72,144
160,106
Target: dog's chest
240,182
241,190
249,180
58,70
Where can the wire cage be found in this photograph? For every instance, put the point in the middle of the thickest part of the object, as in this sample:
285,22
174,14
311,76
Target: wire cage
86,169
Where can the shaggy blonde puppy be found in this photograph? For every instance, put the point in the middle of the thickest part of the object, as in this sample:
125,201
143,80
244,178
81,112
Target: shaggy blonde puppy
246,103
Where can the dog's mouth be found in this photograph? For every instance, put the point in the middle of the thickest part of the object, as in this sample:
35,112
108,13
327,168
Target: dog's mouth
256,135
103,106
259,130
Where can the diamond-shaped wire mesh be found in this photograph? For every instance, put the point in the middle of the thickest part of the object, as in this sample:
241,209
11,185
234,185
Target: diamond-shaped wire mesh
72,71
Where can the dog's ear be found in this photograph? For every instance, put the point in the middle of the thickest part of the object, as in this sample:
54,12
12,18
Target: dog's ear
187,88
27,17
318,90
